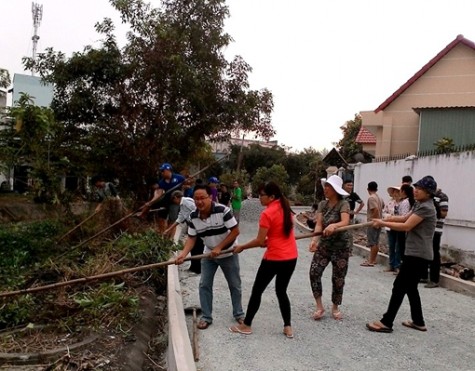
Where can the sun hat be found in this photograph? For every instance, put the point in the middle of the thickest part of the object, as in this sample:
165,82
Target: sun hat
428,183
336,182
393,188
213,179
165,166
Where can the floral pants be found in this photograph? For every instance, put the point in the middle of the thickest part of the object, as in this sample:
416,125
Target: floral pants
339,259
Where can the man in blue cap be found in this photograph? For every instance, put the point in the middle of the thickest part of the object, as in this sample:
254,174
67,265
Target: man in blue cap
169,181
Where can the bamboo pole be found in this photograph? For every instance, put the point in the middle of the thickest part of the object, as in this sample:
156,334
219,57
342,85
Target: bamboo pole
136,211
76,227
103,276
341,229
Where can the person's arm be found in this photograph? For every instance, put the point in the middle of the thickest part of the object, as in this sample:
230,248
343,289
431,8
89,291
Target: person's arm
259,241
318,229
344,221
397,218
170,228
360,206
190,242
156,195
412,221
230,238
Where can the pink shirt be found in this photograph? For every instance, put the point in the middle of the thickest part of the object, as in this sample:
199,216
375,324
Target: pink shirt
279,246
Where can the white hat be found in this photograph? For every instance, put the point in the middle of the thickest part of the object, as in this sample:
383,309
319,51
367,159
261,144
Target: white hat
394,188
336,182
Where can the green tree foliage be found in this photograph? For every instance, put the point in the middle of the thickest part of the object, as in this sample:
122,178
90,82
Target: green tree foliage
161,97
33,139
256,156
444,145
4,78
347,146
275,173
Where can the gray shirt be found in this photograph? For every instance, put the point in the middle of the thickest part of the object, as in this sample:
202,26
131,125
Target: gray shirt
419,239
187,205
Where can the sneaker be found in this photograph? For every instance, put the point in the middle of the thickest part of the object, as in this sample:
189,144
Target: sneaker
431,285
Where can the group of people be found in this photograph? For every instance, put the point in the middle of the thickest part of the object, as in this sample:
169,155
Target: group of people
411,214
416,221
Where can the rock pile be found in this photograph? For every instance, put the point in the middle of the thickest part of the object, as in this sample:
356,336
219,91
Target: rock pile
251,210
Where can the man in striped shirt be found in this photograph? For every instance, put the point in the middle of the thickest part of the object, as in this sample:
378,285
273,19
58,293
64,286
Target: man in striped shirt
216,226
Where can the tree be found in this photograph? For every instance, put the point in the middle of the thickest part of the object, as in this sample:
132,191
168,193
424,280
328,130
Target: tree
33,139
256,156
347,146
275,173
4,79
162,97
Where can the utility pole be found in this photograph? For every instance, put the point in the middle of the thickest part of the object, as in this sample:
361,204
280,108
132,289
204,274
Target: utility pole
37,11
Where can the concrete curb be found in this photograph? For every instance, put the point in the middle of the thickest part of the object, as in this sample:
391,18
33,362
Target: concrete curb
446,281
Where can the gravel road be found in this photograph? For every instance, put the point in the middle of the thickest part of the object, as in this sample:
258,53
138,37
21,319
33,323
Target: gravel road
330,344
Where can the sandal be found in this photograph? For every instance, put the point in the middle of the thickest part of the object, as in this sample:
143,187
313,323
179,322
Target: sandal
367,264
288,332
378,327
337,315
203,325
411,324
237,330
318,314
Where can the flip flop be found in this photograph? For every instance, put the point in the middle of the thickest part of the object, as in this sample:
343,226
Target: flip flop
236,329
337,315
318,315
367,264
203,325
378,327
411,324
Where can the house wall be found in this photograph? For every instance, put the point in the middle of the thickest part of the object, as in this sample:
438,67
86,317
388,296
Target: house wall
449,83
454,174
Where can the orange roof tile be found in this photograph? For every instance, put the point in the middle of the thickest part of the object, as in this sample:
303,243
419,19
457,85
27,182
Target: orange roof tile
365,136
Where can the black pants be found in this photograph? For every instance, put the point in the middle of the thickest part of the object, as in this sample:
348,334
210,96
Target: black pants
410,273
401,243
434,266
282,270
198,249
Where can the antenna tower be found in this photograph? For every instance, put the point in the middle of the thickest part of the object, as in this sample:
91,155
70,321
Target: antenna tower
37,11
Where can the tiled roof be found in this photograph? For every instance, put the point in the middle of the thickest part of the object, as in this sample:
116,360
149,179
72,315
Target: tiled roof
365,136
458,40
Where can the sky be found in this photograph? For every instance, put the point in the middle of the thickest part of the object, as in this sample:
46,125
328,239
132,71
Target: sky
324,61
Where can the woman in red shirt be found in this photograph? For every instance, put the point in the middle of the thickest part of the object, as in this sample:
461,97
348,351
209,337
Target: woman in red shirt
276,234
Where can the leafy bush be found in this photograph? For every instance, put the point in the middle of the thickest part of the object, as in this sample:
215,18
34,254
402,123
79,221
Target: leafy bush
23,245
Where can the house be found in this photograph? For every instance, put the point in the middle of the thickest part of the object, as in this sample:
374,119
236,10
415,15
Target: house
437,102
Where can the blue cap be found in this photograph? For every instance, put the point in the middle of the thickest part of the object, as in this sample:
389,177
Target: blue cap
428,183
213,179
165,166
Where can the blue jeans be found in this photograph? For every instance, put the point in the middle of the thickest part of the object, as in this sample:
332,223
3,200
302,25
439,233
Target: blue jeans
230,268
394,256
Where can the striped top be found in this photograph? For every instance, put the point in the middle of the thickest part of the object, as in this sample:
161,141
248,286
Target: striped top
213,229
441,202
